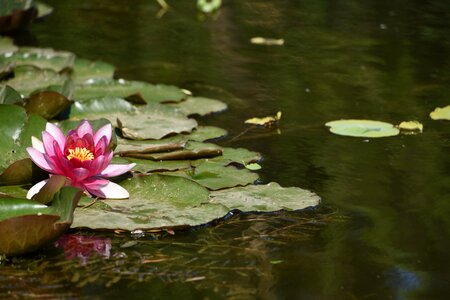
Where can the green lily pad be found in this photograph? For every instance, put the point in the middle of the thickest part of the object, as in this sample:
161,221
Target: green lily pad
229,155
106,107
27,225
156,201
151,93
16,130
215,176
146,166
8,95
265,198
28,79
199,106
43,58
154,121
441,113
362,128
7,45
87,70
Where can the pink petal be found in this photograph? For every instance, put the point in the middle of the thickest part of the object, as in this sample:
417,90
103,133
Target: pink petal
108,157
48,140
79,174
57,134
104,131
116,170
110,191
100,147
56,168
84,128
37,144
36,188
39,159
94,166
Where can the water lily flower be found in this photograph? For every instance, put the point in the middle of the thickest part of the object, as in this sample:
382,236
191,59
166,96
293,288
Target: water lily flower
83,157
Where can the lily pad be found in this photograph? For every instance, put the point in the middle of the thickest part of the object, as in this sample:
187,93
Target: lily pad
265,198
47,104
154,121
87,70
27,225
8,95
441,113
199,106
43,58
43,9
146,166
151,93
215,176
105,107
28,79
156,201
362,128
410,126
16,130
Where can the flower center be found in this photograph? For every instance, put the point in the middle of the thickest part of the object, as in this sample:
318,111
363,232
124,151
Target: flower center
81,153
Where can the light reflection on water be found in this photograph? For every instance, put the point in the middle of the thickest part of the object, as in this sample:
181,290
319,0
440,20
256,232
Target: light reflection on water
376,60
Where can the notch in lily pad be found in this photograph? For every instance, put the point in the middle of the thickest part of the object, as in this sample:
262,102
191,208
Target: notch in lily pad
362,128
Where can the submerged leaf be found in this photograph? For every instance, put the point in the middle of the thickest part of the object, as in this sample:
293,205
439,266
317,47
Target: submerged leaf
362,128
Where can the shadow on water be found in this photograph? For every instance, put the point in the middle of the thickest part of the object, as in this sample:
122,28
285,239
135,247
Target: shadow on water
383,231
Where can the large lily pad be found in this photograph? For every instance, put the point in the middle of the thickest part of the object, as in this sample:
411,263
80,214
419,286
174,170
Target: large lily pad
265,198
362,128
8,95
16,130
86,70
43,58
441,113
155,201
200,106
122,88
28,79
26,225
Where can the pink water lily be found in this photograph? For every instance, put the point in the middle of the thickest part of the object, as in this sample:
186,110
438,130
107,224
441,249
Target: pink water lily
83,156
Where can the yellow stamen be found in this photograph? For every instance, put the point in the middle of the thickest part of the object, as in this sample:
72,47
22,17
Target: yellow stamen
80,153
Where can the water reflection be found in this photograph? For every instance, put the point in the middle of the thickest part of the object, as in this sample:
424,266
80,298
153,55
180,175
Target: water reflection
84,247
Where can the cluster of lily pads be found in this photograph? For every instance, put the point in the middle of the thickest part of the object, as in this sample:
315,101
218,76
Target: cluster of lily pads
180,179
375,129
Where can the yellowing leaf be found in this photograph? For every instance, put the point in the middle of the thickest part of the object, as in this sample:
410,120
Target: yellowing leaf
266,121
441,113
266,41
411,126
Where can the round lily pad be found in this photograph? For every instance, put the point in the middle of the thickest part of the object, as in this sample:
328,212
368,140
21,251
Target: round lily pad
200,106
43,58
362,128
87,70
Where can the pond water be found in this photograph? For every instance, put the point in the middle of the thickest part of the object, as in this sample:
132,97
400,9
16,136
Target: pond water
382,231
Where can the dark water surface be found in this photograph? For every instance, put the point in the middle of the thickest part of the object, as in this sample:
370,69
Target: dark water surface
383,229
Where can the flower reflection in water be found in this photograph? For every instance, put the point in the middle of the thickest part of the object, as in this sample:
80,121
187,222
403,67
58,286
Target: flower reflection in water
84,247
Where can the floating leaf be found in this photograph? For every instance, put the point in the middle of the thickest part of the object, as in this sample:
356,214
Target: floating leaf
28,79
200,106
156,201
265,198
87,70
8,95
43,58
266,121
441,113
267,41
154,121
411,126
46,104
122,88
214,175
27,225
253,167
16,130
362,128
